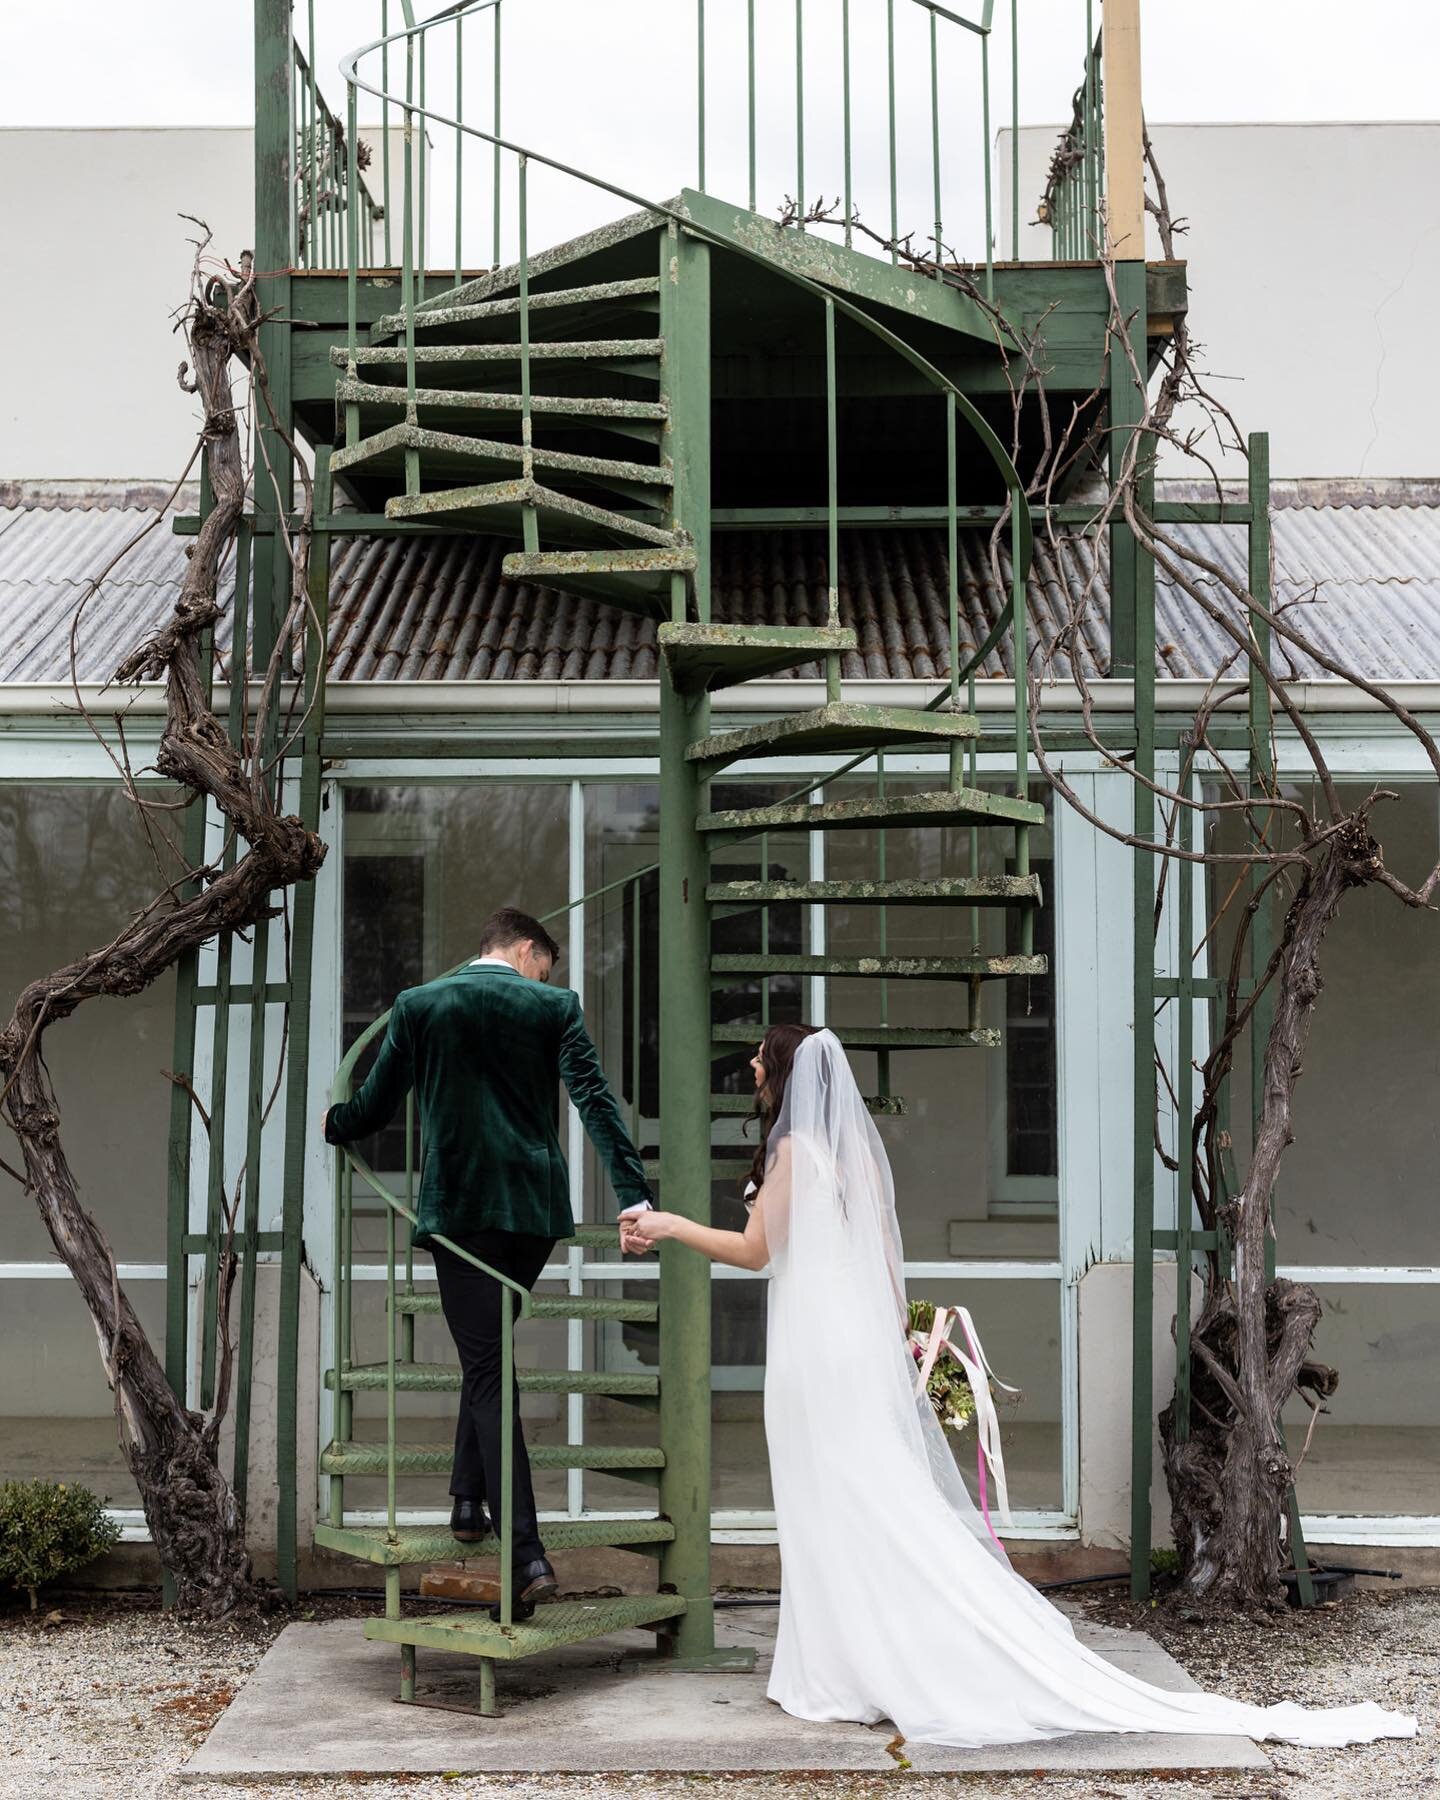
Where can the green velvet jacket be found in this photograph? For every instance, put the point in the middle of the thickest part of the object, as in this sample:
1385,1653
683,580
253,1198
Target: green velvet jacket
484,1050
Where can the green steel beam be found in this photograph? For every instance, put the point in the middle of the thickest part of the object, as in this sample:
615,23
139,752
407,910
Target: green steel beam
1141,632
297,1074
684,982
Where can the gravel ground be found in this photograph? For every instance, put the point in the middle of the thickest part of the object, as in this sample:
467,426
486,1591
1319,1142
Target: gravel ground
104,1701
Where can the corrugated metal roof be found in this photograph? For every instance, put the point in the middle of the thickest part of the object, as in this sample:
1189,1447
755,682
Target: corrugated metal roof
1359,563
52,550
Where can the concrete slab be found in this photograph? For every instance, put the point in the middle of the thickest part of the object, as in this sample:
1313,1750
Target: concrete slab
322,1702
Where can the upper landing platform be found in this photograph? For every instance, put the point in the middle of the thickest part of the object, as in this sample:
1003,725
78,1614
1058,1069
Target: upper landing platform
753,308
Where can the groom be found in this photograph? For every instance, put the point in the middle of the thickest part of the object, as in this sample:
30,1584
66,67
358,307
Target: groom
484,1050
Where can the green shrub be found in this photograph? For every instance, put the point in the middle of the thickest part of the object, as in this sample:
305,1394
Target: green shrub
47,1529
1164,1562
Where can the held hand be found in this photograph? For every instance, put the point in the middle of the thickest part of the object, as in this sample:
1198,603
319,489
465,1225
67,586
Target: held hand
643,1230
324,1120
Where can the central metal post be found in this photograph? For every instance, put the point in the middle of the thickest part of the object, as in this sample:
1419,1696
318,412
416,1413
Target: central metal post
684,974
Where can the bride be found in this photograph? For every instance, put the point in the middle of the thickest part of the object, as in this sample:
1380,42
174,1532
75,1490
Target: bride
896,1602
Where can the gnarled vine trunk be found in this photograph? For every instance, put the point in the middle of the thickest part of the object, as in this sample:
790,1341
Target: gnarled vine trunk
1228,1479
171,1451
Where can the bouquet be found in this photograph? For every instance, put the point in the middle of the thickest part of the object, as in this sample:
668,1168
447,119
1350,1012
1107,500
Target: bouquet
948,1386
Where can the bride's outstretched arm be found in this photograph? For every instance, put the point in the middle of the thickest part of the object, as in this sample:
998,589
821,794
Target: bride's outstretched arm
747,1249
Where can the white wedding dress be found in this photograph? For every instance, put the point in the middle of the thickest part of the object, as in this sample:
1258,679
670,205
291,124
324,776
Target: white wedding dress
895,1602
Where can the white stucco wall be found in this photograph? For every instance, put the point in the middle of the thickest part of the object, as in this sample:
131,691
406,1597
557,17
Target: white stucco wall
99,263
1314,258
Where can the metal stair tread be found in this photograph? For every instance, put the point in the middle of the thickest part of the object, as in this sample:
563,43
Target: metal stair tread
958,806
704,657
599,293
433,1543
498,496
839,725
445,1378
378,393
926,968
561,1622
383,356
947,890
878,1037
638,581
351,1457
551,1306
406,436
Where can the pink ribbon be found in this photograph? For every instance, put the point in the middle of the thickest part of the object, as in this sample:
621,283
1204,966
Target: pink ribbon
989,1458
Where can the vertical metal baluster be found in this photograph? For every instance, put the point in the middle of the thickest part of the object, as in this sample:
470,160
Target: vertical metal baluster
495,148
337,1329
700,93
845,81
392,1535
935,136
391,1409
764,933
530,519
1015,130
346,1280
407,1328
1022,718
352,259
331,191
750,55
385,126
635,997
882,1057
985,129
312,261
952,551
890,76
1184,1109
800,113
1088,164
295,151
407,270
422,222
507,1455
832,456
459,140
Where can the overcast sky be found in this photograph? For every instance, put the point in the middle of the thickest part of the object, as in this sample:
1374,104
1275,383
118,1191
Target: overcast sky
188,62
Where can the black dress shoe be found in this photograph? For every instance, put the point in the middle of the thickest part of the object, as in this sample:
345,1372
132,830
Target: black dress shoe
468,1523
533,1582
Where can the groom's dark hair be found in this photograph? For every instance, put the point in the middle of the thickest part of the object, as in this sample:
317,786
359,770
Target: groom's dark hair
511,926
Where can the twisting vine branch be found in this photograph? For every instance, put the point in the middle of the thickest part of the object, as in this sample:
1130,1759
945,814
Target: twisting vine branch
172,1451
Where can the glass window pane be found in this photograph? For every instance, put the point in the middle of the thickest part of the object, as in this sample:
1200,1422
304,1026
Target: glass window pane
1360,1183
1376,1448
75,865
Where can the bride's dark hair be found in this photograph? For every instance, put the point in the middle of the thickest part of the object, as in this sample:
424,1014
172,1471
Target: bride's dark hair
777,1057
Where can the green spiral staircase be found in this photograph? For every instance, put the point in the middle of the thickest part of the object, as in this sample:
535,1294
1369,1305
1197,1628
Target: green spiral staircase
562,404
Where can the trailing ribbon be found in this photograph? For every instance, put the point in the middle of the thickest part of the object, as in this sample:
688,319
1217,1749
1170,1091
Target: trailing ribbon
979,1374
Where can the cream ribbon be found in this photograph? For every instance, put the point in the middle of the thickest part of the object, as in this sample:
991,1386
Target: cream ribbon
987,1422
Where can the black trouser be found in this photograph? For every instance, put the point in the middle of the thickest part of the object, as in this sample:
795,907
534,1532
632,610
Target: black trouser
472,1304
